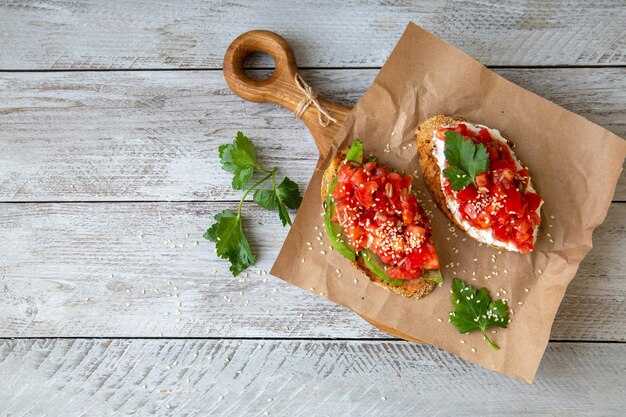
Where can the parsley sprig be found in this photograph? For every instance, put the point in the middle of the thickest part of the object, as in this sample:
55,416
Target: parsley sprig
474,310
465,160
227,233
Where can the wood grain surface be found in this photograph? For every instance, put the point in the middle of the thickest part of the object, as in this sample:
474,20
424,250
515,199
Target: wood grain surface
147,136
111,114
143,34
297,378
131,269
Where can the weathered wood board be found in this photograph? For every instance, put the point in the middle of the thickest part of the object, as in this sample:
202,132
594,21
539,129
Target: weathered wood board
108,177
296,378
82,269
142,34
147,136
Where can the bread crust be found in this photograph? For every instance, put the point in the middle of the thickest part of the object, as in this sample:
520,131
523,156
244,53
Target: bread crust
432,172
413,289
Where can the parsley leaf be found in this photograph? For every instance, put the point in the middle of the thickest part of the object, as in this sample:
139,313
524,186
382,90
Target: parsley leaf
474,310
227,233
289,193
266,199
286,195
240,159
465,160
230,241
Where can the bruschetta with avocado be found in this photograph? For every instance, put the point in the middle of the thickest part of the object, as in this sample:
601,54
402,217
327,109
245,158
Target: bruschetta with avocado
373,219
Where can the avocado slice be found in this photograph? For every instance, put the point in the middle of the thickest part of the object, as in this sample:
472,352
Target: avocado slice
374,264
433,275
355,153
333,229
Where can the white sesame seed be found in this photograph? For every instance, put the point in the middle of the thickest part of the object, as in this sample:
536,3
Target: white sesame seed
462,341
439,320
356,281
473,350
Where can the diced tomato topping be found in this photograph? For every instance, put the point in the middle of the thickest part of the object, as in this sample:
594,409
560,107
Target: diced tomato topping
482,180
468,193
498,199
533,201
342,190
345,172
364,193
470,210
482,221
513,202
357,236
484,136
370,166
377,211
432,260
461,128
409,208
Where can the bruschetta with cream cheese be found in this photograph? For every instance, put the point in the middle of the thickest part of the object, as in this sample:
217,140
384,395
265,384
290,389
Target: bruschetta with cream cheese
478,182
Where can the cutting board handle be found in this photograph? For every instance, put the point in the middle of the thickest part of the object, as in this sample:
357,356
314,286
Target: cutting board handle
280,88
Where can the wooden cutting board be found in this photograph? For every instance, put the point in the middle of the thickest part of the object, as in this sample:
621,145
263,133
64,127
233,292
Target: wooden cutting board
281,89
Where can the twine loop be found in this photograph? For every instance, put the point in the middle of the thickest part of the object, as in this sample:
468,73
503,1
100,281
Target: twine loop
310,98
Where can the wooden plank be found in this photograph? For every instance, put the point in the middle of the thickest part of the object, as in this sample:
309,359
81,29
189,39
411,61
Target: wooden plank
154,135
192,34
296,378
84,270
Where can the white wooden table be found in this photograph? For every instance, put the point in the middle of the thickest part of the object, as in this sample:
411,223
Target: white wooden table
110,118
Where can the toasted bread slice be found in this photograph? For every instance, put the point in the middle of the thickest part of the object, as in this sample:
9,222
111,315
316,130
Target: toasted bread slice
432,172
418,288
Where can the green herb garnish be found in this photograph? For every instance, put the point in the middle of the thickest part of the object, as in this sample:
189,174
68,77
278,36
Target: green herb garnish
474,310
227,233
465,160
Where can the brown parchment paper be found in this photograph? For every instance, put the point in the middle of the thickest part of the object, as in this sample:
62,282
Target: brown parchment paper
574,165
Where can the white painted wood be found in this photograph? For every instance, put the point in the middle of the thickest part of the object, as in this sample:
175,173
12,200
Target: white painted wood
193,34
83,270
296,378
154,135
